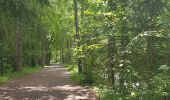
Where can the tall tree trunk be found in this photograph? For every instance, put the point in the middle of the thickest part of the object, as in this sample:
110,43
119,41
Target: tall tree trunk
79,62
1,41
150,51
57,55
33,63
111,54
61,55
1,60
43,57
1,52
124,39
18,47
43,54
111,47
76,19
48,53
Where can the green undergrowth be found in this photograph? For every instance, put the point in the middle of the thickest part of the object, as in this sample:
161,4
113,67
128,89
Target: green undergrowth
81,79
9,75
108,93
74,76
102,92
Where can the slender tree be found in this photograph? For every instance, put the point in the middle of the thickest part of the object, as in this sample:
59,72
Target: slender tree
1,50
79,61
111,45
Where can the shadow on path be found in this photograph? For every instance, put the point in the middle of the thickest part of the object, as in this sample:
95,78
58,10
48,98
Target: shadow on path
51,83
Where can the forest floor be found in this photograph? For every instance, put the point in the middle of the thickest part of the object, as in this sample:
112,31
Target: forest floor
51,83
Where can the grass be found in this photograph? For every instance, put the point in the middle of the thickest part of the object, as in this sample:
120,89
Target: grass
73,72
74,76
9,75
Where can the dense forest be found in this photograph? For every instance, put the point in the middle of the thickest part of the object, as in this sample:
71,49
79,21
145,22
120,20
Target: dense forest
121,48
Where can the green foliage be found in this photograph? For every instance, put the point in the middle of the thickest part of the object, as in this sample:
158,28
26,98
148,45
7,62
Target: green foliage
122,45
74,76
82,79
3,80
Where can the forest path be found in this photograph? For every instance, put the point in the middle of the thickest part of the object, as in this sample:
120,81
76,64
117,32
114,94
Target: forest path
51,83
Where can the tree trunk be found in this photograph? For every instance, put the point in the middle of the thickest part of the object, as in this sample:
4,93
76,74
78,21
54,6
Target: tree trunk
1,60
18,47
76,19
48,53
43,57
32,56
111,54
79,62
1,53
43,54
57,55
150,51
111,48
61,59
124,41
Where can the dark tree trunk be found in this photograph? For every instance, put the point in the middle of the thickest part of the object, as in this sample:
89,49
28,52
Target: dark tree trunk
43,57
61,59
111,48
124,40
111,54
57,55
43,54
1,52
48,58
150,51
76,19
33,62
79,62
18,47
1,60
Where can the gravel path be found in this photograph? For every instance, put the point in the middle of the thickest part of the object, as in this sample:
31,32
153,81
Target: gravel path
51,83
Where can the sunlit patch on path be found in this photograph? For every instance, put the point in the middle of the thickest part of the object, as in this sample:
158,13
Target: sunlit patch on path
51,83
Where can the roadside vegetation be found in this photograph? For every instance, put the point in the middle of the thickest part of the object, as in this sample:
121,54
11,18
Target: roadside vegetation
9,75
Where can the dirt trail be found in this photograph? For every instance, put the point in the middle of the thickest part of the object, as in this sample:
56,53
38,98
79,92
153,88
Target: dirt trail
51,83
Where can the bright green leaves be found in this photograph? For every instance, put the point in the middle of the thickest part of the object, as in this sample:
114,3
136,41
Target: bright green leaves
87,12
